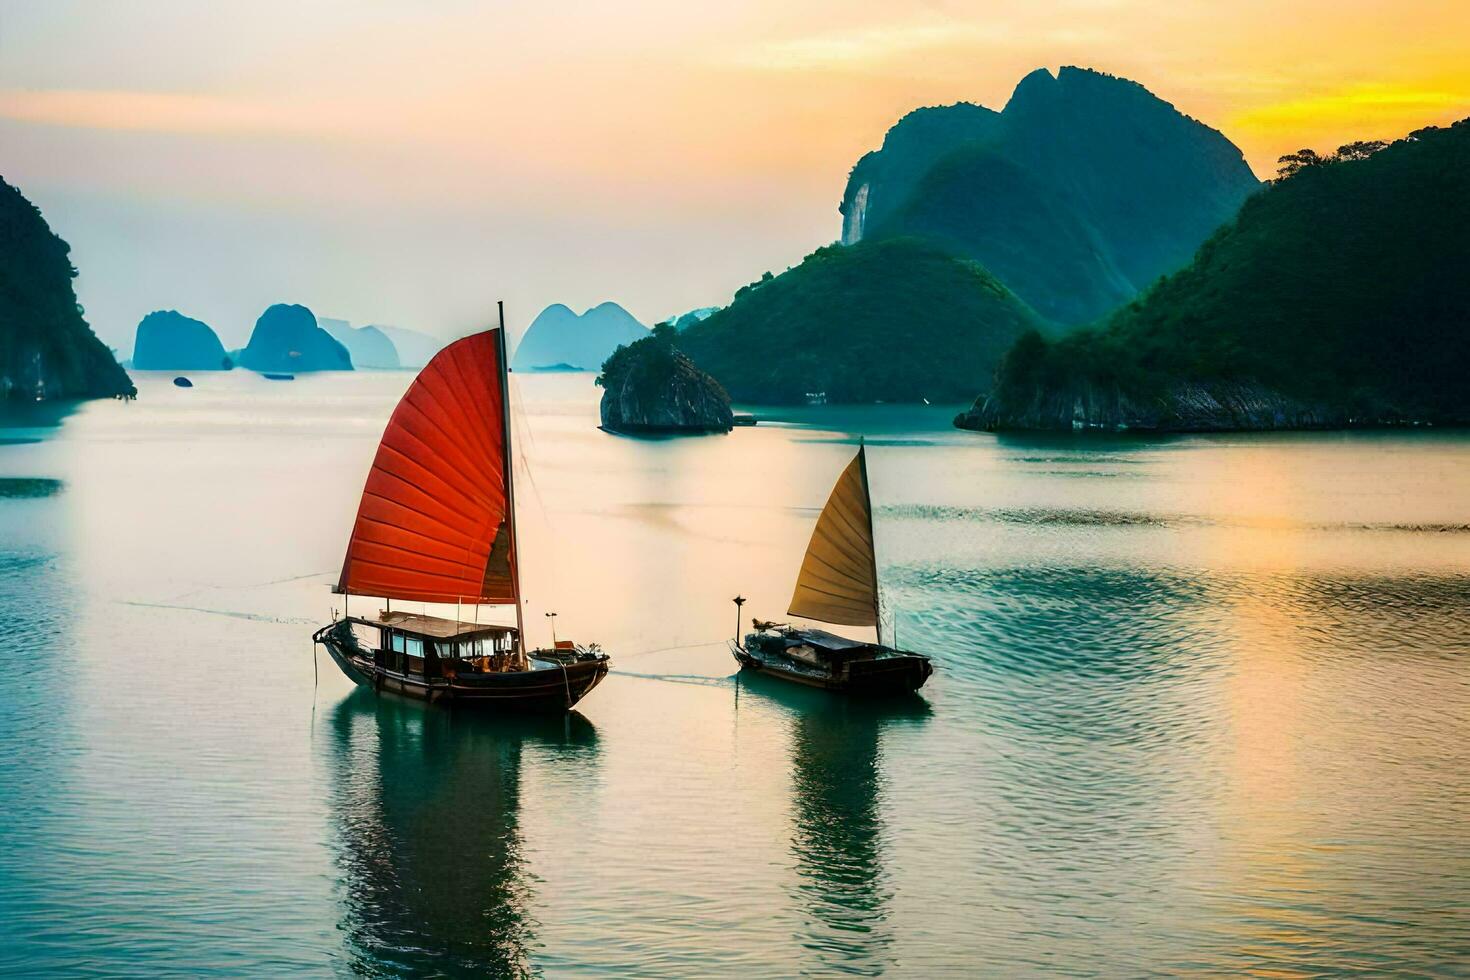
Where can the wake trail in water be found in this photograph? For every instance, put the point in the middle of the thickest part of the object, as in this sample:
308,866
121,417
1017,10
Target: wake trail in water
252,617
695,679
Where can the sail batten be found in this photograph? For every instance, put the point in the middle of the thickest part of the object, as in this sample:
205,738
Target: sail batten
434,523
838,581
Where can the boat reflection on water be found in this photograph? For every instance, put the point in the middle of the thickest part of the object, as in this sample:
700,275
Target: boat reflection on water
430,847
842,889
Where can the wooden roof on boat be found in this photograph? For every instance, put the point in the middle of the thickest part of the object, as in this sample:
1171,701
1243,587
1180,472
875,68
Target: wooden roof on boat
434,626
824,640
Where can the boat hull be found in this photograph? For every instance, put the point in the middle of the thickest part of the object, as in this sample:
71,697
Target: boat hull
887,675
553,688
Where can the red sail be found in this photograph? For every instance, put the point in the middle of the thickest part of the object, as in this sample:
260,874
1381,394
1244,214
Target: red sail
433,524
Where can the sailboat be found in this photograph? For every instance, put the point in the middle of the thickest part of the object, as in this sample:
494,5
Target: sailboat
437,524
838,584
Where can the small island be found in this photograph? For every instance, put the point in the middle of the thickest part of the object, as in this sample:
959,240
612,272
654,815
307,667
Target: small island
652,387
169,341
287,340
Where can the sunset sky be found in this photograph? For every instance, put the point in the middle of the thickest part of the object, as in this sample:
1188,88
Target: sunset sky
410,163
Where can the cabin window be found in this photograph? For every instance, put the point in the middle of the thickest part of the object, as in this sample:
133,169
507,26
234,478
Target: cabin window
398,644
414,647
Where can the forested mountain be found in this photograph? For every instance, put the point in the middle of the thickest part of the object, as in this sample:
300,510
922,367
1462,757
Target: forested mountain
1339,296
890,320
47,350
1078,195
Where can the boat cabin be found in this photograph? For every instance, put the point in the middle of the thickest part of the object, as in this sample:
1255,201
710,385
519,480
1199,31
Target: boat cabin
431,647
813,646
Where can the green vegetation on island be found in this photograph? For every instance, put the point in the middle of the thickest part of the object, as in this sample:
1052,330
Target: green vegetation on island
1338,296
47,350
893,320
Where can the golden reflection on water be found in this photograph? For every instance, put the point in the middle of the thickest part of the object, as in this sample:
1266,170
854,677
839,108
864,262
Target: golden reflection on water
1200,706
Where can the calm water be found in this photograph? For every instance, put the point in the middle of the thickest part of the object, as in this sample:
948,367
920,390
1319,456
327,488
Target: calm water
1201,705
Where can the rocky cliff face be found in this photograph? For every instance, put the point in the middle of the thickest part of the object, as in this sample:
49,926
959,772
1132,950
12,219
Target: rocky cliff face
883,179
1080,193
287,339
47,350
651,387
169,341
1183,406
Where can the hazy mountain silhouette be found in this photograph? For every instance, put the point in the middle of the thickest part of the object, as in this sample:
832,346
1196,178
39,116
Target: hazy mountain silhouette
169,341
287,339
47,350
368,346
1079,194
414,349
560,337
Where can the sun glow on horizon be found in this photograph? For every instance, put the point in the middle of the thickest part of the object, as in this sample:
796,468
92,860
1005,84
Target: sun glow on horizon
658,154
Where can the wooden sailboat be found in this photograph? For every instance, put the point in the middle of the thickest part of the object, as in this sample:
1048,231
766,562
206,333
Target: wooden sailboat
437,525
838,583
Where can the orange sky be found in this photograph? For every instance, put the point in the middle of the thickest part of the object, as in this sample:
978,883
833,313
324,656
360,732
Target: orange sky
701,143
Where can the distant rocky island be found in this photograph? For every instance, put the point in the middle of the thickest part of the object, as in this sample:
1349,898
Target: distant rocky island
414,349
897,320
1338,297
1079,194
47,350
169,341
650,386
368,347
286,339
560,337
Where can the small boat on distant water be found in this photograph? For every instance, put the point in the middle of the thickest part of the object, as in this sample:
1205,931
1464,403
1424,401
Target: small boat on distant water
838,583
437,525
276,376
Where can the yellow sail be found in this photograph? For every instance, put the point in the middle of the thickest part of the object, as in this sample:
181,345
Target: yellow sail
839,576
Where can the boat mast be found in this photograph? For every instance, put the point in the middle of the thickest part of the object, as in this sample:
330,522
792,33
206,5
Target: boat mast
873,549
510,483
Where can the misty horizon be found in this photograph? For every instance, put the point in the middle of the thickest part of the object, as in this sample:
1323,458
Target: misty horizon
412,167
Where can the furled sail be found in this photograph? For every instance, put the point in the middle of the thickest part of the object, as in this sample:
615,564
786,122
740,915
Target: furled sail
838,582
435,522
